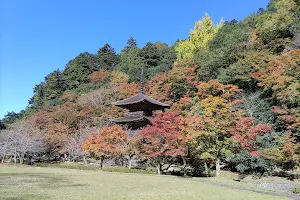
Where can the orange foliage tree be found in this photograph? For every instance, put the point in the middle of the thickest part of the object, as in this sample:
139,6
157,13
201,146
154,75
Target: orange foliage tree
68,97
168,86
98,76
159,88
184,70
129,89
108,143
287,155
119,81
60,123
209,117
217,102
280,76
57,137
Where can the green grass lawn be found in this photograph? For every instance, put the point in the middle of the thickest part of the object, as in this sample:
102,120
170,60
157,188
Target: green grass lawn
22,183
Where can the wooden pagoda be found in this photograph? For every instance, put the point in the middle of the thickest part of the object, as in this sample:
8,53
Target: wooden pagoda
140,108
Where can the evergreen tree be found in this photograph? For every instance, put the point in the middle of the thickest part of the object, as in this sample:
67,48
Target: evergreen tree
130,61
54,85
107,57
167,58
223,49
131,42
154,58
38,98
12,117
78,69
150,55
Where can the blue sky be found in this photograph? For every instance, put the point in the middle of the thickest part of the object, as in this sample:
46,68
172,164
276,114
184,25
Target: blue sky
37,37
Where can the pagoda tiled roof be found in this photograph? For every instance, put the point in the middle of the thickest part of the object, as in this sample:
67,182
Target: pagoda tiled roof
140,97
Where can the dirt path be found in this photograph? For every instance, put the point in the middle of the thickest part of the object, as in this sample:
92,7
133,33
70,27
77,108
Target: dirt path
261,191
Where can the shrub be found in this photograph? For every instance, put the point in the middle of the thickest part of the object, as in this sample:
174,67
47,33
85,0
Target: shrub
247,164
296,190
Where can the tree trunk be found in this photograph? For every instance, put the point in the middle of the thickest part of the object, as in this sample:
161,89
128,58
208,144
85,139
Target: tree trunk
218,168
130,161
65,157
184,165
101,162
21,159
158,167
2,160
205,168
84,160
10,159
15,158
122,160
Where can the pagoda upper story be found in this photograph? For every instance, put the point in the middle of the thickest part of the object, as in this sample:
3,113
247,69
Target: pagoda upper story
141,102
140,108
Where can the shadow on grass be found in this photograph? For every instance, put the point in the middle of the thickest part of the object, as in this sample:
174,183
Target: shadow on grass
40,180
26,197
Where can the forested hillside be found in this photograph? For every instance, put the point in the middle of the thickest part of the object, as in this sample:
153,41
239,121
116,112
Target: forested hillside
233,87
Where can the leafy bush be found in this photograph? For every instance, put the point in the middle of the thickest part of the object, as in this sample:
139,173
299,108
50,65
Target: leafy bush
197,169
245,163
296,190
289,175
209,173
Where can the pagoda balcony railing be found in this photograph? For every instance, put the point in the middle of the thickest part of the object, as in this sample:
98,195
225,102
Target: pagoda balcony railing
135,114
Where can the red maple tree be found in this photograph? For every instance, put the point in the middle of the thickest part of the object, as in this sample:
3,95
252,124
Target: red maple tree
164,139
246,134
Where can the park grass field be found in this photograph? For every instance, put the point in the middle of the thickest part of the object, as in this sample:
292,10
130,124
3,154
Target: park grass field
26,183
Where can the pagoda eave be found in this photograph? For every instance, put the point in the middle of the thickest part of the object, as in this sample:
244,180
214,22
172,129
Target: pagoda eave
140,99
133,122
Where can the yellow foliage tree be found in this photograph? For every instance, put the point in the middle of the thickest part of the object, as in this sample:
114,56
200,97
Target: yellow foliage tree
204,30
118,78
